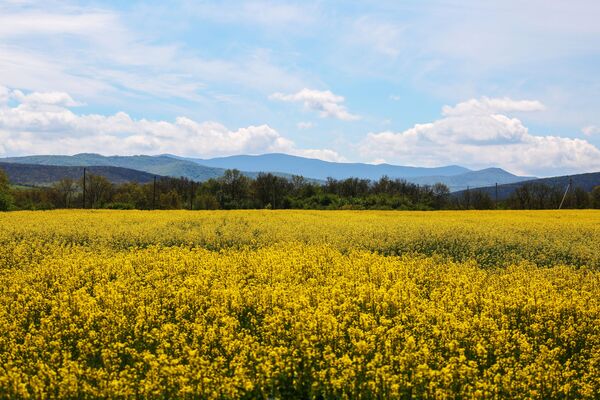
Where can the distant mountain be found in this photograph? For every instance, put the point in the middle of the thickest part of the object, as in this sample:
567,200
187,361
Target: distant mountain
472,179
46,175
585,181
319,169
454,176
157,165
161,165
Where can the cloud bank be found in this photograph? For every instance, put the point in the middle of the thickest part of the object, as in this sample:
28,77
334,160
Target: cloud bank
479,133
43,123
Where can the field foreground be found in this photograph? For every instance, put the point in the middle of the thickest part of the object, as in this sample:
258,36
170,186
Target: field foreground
279,304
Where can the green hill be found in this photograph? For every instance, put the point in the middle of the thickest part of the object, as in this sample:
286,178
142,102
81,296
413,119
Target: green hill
585,181
46,175
155,165
160,165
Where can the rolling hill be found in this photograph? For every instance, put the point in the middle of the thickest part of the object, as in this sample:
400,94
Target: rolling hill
155,165
45,175
585,181
165,166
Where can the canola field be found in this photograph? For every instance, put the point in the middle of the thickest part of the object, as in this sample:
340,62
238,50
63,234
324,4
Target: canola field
300,304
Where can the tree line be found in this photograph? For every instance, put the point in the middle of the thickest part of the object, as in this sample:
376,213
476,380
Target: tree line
235,190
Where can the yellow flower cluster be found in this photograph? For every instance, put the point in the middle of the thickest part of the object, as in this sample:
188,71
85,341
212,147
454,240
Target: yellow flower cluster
299,304
545,238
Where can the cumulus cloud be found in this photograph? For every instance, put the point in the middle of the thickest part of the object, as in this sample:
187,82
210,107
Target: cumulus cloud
44,99
324,102
50,127
476,134
487,106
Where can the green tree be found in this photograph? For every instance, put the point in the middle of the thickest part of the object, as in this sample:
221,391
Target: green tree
581,198
66,189
6,199
270,189
441,195
481,200
235,189
98,190
595,195
170,200
205,201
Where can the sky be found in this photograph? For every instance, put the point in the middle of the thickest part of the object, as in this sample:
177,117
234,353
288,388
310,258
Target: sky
508,84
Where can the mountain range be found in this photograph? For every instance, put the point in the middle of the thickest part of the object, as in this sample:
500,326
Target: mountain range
319,169
456,177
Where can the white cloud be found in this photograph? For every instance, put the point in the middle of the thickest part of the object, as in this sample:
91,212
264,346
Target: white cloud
95,55
587,131
455,50
322,154
474,134
50,127
49,98
324,102
487,106
29,23
305,125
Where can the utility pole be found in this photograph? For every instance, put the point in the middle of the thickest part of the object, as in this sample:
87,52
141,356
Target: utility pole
154,194
566,191
83,187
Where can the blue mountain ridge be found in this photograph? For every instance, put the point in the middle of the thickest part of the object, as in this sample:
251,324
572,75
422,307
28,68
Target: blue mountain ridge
319,169
456,177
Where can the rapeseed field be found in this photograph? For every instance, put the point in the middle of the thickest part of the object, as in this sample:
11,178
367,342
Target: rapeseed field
300,304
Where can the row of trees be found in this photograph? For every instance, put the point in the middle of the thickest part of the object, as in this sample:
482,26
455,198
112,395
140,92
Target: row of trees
532,196
236,191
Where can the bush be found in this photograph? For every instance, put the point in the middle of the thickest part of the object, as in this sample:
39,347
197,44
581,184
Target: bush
120,206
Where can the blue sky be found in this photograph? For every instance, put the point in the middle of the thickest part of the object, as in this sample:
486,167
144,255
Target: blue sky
477,83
